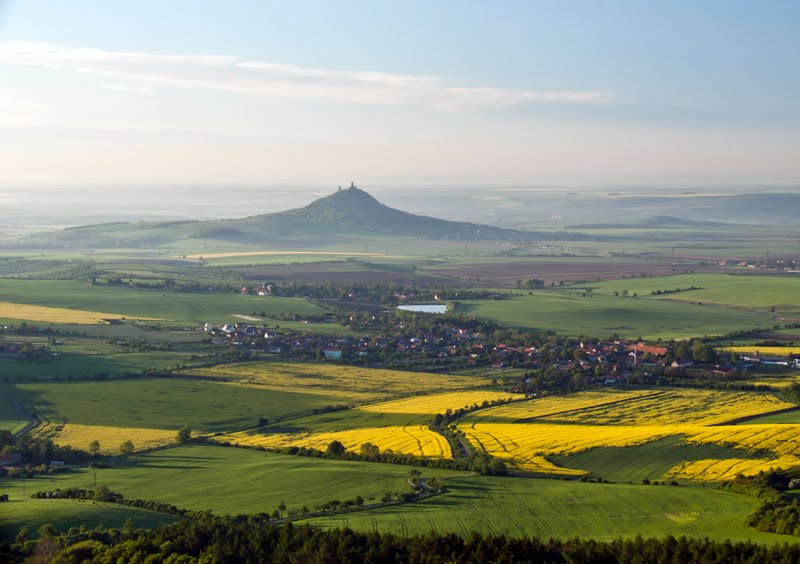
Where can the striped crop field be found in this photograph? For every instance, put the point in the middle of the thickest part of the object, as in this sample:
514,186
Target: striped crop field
350,384
25,312
553,406
110,438
702,407
400,426
771,351
716,469
778,383
783,441
408,439
525,445
526,435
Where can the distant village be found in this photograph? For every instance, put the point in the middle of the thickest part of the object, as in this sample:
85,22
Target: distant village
445,344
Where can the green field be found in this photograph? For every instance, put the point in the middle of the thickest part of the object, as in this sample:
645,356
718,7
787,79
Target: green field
562,509
65,366
174,308
648,461
601,315
786,418
233,480
161,403
9,418
66,513
741,291
228,480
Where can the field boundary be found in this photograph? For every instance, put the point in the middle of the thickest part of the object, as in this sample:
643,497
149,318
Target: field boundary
757,416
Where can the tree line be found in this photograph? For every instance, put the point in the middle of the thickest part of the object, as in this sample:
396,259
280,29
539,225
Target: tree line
247,539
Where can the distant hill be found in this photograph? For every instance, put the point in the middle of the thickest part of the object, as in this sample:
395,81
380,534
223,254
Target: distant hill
349,212
658,222
355,208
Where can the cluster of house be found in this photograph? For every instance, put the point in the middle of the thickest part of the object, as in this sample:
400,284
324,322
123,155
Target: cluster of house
448,342
14,349
778,265
231,332
791,361
262,290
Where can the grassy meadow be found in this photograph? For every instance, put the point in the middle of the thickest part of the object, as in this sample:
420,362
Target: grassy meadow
10,420
565,509
233,480
570,314
732,290
68,366
66,513
722,304
116,410
228,480
171,308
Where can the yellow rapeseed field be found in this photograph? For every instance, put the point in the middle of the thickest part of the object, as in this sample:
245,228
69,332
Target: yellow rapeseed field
771,351
780,442
350,384
553,406
703,407
524,434
778,382
783,440
727,469
525,444
9,310
410,439
398,425
79,436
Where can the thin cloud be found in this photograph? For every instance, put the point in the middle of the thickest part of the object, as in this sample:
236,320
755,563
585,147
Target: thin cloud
125,88
276,79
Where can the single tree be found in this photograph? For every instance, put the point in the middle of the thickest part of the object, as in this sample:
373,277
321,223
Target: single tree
335,448
101,493
94,447
184,435
126,448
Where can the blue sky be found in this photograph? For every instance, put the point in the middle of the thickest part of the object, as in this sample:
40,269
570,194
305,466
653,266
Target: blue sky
485,93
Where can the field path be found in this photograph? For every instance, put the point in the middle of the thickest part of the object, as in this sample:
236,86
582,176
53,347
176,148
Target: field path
403,527
246,317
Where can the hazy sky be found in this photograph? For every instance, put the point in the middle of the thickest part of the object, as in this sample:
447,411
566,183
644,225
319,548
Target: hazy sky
515,92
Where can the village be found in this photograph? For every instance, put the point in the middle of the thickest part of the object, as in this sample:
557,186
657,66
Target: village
436,343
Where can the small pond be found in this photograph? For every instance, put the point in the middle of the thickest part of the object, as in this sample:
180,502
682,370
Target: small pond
424,308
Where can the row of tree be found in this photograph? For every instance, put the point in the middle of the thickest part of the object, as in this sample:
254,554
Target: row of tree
248,539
